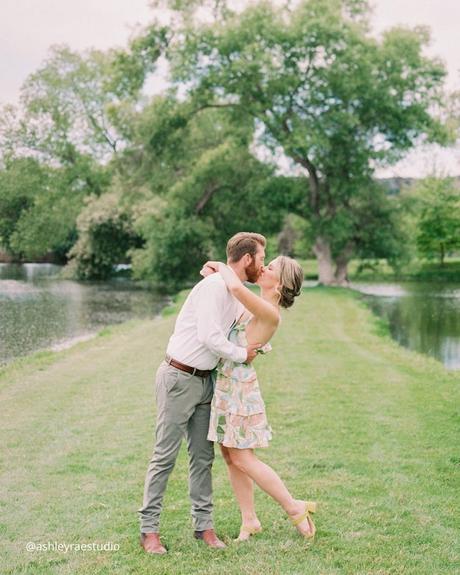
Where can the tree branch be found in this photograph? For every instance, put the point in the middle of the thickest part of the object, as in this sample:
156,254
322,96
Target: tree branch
208,193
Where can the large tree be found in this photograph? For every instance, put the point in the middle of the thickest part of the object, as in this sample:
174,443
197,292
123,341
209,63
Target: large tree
39,205
71,105
57,147
61,135
195,183
320,89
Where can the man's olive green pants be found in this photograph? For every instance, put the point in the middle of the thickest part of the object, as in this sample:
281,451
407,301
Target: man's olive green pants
183,409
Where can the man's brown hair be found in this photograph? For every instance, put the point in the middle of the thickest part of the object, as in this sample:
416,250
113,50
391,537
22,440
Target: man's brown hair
244,243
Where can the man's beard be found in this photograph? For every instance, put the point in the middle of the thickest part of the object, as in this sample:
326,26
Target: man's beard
252,271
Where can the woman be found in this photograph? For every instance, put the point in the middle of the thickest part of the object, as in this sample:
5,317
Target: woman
238,421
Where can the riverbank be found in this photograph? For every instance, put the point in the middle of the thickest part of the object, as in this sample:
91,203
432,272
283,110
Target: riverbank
380,271
368,429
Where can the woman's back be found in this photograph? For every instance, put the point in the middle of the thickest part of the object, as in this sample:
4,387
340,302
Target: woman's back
258,330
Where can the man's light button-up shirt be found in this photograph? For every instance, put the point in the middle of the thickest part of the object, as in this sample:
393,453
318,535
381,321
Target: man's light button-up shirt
203,324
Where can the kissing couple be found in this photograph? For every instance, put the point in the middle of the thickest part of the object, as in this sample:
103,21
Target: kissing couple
207,390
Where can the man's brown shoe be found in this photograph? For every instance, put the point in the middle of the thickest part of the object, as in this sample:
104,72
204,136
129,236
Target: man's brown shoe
210,538
151,543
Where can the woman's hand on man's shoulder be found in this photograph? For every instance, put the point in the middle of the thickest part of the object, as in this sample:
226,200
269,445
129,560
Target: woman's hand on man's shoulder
210,267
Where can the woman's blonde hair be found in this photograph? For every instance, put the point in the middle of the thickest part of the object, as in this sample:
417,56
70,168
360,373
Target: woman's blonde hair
291,280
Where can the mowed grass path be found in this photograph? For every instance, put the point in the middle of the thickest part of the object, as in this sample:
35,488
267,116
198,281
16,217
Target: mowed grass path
366,428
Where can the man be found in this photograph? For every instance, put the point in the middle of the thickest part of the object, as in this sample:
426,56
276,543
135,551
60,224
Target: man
184,389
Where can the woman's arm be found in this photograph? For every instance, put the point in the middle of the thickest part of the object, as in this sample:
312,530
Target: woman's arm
252,302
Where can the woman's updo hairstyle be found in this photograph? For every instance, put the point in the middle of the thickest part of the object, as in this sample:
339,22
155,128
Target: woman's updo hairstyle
291,280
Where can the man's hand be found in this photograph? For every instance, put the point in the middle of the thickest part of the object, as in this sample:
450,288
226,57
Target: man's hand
252,351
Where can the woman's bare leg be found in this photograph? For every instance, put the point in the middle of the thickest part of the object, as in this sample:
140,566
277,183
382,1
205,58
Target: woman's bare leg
269,481
243,487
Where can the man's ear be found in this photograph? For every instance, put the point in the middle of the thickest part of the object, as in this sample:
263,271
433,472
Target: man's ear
247,260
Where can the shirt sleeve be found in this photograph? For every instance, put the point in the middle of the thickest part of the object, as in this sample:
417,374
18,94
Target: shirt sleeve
210,303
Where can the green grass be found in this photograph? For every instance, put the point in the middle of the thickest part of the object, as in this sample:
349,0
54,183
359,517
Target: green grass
380,270
366,428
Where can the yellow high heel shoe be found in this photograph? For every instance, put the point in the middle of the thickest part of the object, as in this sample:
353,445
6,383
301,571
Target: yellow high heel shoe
310,507
246,531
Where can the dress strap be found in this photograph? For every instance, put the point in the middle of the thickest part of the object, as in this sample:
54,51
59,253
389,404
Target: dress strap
244,318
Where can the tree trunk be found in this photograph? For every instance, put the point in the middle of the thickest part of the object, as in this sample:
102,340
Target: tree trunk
322,251
341,270
286,239
442,253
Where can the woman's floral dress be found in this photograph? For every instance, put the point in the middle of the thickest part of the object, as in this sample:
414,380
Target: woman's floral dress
238,416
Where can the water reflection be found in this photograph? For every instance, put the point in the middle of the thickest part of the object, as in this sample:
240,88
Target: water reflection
423,317
38,310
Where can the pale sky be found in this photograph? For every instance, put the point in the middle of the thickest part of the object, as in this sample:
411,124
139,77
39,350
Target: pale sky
29,27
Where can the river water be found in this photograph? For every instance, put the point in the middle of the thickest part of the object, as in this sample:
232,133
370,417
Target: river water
40,311
422,316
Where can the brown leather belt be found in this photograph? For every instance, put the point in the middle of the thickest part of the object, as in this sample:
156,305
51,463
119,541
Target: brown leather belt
187,368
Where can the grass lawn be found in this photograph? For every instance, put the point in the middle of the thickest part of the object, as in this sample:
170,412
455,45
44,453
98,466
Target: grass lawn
366,428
